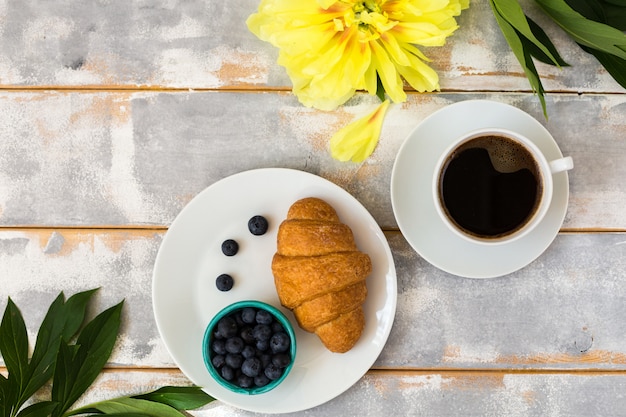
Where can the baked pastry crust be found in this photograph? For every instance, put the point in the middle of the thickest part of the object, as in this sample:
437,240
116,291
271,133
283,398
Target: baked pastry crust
320,273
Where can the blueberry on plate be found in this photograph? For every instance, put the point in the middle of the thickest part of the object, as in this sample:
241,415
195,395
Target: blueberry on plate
224,282
257,225
230,247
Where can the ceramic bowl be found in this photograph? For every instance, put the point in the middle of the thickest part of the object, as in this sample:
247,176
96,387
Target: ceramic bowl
212,334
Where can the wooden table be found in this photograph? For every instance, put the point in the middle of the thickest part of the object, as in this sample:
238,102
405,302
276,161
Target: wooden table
115,114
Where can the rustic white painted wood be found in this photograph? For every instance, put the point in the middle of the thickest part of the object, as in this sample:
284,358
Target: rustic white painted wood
431,394
563,311
114,115
206,44
122,158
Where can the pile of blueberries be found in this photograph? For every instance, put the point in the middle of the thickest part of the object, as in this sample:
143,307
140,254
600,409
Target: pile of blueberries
250,348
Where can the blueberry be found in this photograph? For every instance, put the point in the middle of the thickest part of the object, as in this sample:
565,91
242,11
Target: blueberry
281,360
273,372
234,345
245,381
265,359
227,327
264,317
277,327
261,380
248,315
238,319
219,347
262,332
248,352
234,361
257,225
227,373
247,336
230,247
279,342
224,282
218,361
251,367
262,345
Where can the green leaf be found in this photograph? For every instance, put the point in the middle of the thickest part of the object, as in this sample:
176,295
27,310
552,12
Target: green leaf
614,65
63,376
129,405
78,366
61,322
522,54
8,396
181,398
380,88
594,35
14,345
75,309
512,13
43,408
545,40
603,11
591,9
120,415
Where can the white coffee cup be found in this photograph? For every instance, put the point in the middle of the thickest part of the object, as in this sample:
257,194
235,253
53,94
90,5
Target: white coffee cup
506,209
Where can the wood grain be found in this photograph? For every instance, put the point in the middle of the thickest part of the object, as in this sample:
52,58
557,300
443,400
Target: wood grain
114,115
563,311
125,159
206,45
446,393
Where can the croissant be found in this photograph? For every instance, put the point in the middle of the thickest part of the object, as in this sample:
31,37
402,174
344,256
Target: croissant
320,274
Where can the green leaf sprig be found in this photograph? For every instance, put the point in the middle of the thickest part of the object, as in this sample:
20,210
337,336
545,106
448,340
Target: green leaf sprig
74,365
596,25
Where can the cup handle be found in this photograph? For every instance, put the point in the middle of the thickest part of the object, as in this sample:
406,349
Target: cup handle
561,164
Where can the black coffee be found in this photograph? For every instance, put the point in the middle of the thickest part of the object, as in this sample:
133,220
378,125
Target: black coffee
490,186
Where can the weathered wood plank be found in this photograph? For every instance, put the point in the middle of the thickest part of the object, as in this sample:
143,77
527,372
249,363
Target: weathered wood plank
200,44
488,394
563,311
84,159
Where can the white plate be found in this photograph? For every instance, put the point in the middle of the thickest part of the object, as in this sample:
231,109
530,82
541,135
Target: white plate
414,208
185,297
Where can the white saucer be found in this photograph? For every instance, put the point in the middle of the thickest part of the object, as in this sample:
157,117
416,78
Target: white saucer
185,297
414,209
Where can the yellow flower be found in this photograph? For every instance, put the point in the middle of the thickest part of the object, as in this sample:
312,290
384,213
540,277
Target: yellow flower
331,49
357,140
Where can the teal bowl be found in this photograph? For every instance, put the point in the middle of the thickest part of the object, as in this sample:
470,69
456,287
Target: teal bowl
210,336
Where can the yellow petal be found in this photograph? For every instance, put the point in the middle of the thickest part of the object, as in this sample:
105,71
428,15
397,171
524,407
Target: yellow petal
388,73
420,76
325,4
357,140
